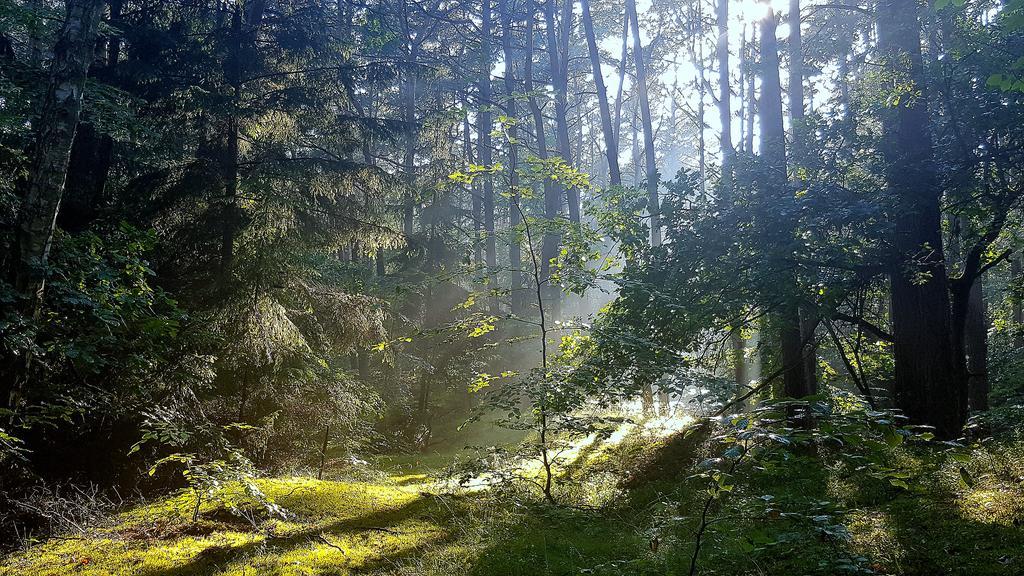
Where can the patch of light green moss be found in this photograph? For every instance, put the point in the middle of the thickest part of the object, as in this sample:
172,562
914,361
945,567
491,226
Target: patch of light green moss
332,528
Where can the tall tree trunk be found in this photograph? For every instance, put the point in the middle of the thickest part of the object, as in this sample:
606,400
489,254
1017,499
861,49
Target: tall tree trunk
701,86
558,49
552,193
648,127
474,194
736,339
702,162
610,146
749,64
408,77
779,202
930,384
797,124
634,153
244,24
512,111
92,153
408,87
976,343
650,162
844,88
484,147
796,82
622,79
62,105
724,90
55,134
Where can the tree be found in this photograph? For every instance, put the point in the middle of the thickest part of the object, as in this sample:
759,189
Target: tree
485,125
55,130
552,191
783,212
611,145
800,138
512,113
648,126
930,386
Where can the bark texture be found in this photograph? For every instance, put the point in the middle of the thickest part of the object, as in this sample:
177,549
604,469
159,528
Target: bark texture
930,385
62,106
779,202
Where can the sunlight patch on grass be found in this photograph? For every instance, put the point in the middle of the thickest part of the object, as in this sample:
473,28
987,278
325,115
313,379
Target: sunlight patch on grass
873,535
106,556
999,504
583,453
333,527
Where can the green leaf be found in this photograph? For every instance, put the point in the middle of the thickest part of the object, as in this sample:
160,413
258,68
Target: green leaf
899,483
960,457
893,438
966,480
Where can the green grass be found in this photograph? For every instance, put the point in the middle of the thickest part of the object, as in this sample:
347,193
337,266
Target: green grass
809,514
335,528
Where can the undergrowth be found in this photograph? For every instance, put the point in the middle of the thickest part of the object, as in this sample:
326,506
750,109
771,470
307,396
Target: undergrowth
631,507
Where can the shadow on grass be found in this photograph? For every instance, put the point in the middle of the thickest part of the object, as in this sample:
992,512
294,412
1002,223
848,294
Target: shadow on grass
560,541
899,532
385,521
936,538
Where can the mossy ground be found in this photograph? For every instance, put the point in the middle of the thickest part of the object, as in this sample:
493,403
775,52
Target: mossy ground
807,515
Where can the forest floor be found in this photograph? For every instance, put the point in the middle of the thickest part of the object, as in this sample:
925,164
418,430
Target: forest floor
806,516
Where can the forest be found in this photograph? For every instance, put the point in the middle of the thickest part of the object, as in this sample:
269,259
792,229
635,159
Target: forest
511,287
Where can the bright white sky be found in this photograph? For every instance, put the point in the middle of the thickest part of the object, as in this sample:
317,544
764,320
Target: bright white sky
684,72
744,15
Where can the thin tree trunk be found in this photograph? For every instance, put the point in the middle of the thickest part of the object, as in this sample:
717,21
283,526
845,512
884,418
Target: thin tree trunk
779,201
552,193
797,124
701,84
796,81
408,88
62,105
474,193
484,128
423,411
844,89
736,339
622,79
229,154
243,30
742,88
610,146
702,162
638,171
512,111
323,453
930,384
645,117
558,55
748,142
724,90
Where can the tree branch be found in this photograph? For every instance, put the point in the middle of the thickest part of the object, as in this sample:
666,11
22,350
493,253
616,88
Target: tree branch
868,326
